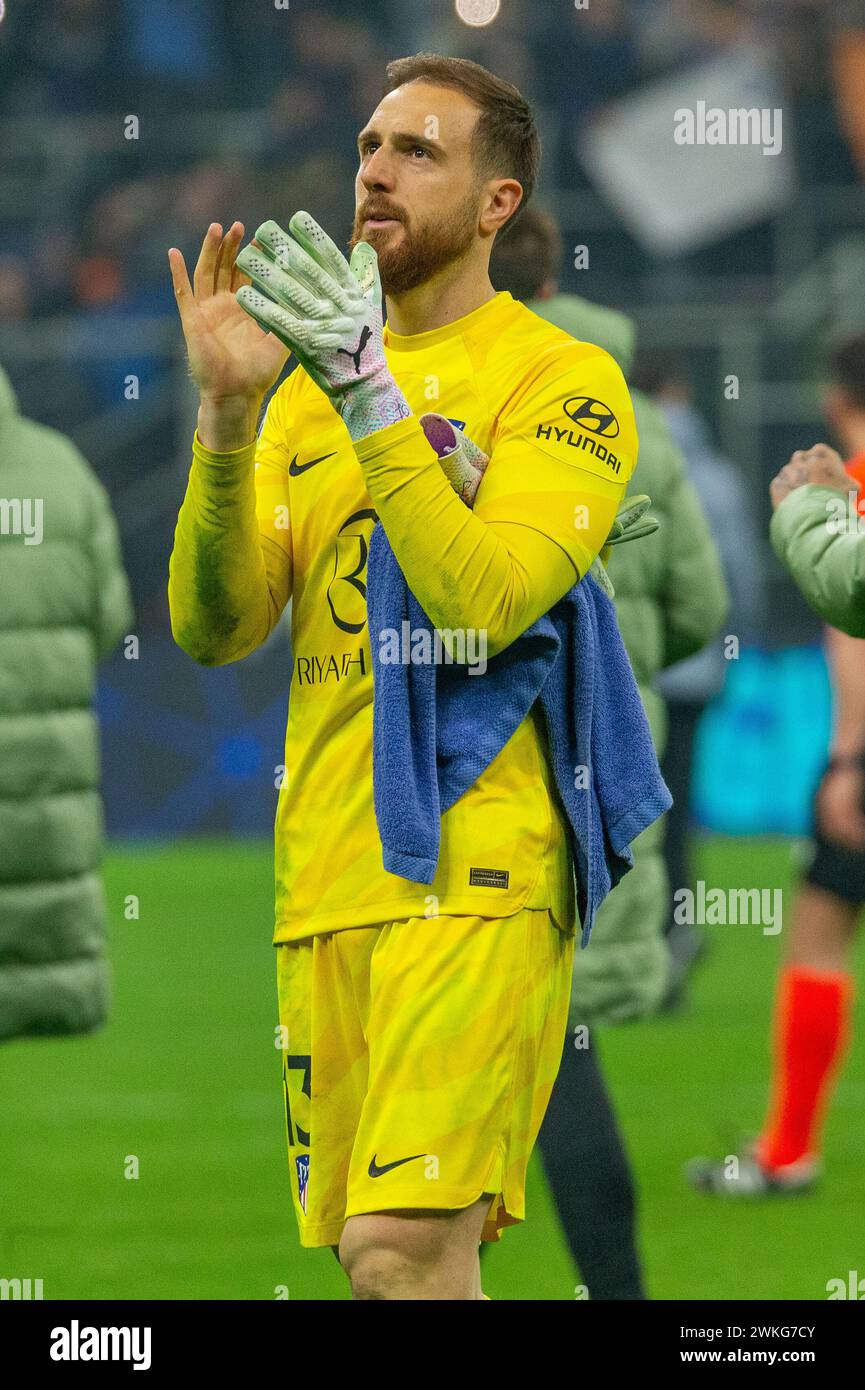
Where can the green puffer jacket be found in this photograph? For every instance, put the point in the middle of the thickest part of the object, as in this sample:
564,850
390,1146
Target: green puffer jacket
824,550
671,599
64,603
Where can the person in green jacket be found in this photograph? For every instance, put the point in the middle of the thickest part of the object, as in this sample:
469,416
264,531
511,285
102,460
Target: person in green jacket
671,599
65,604
819,536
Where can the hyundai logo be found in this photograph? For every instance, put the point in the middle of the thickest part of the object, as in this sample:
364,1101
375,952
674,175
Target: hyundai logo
592,415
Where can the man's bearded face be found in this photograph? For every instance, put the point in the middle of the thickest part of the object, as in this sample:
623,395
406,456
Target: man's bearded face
412,252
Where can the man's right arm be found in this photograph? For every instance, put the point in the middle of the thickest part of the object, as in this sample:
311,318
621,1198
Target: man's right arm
230,572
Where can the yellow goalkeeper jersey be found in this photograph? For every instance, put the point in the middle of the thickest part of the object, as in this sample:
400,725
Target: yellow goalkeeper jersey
290,517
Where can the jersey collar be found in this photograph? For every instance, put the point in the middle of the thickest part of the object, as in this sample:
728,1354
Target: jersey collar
482,317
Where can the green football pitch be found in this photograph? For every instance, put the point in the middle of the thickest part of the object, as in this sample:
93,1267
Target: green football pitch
182,1088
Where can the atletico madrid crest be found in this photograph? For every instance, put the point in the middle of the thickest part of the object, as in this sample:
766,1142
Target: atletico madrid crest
302,1162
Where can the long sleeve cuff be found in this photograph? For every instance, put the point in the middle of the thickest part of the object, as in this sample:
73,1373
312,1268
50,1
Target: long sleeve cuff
383,441
223,469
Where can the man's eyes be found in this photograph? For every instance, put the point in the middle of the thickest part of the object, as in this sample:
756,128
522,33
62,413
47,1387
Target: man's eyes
372,145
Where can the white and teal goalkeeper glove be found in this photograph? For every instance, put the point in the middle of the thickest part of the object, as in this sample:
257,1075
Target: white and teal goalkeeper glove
631,521
328,311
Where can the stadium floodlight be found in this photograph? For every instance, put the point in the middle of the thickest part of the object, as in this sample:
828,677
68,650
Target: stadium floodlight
477,12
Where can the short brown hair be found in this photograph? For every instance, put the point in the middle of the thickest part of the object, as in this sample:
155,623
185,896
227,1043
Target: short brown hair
529,257
506,140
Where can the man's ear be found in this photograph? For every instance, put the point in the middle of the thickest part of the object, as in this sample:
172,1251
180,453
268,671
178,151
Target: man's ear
505,196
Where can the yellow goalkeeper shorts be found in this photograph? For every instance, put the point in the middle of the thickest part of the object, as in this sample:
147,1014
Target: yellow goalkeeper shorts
419,1057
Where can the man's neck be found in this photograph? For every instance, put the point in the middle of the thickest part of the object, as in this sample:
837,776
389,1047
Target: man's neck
448,296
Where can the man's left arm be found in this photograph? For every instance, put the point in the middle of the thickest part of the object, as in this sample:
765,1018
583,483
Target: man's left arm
543,511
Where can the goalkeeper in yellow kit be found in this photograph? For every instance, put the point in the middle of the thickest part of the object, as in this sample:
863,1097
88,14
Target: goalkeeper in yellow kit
423,1022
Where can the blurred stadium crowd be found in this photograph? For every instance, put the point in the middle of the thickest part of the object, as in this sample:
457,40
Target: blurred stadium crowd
248,110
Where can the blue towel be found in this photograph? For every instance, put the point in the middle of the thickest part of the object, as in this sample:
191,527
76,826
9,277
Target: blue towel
436,728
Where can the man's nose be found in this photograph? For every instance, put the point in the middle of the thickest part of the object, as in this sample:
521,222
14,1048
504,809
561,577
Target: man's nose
378,171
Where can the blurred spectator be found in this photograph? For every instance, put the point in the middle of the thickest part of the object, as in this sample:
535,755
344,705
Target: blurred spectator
65,606
69,53
673,32
50,259
295,122
174,53
97,281
108,307
16,299
822,51
820,48
689,686
584,58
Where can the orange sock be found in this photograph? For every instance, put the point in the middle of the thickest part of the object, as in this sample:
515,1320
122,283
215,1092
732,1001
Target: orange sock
811,1029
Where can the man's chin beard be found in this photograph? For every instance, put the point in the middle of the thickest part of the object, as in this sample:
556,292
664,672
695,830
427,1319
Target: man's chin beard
397,265
401,269
405,265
